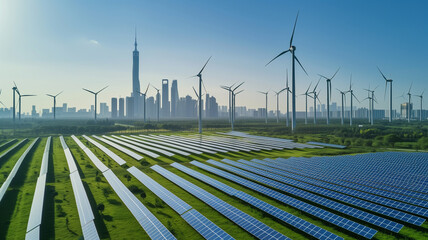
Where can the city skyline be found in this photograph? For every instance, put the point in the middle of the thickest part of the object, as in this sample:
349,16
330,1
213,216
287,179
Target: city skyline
84,59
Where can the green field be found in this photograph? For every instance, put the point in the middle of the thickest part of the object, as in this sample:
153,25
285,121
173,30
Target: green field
60,216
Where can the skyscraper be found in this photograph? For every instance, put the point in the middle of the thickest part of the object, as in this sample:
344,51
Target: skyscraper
113,107
174,98
165,99
121,108
130,107
135,79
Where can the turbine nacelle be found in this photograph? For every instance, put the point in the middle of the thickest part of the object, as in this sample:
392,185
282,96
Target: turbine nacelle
292,48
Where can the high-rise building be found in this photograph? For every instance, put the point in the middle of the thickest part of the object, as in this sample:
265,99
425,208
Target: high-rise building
174,98
121,108
207,105
113,107
130,107
165,99
405,111
136,80
103,110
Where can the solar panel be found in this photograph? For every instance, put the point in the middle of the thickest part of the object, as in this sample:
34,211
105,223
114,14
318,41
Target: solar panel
308,208
68,156
336,193
15,169
138,149
158,145
294,221
83,206
107,151
13,148
250,224
97,162
44,168
215,147
6,144
153,227
218,143
234,143
179,145
120,148
35,218
296,187
204,226
34,234
167,143
145,146
197,146
327,145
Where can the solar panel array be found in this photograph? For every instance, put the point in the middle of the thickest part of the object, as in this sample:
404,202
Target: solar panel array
120,148
250,224
327,145
16,146
303,206
107,151
35,218
15,169
145,147
199,222
157,145
7,144
179,145
153,227
133,147
84,209
292,220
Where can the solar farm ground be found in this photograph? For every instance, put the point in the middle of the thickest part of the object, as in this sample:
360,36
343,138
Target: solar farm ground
112,218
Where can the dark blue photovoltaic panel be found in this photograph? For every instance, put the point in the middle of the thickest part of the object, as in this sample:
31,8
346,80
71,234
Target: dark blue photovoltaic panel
294,221
250,224
313,210
204,226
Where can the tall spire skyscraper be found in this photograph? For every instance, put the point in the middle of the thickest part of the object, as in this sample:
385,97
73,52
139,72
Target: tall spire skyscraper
135,78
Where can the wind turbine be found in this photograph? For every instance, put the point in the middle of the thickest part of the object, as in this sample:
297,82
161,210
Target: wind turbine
315,97
408,105
229,89
288,102
266,94
19,100
390,93
157,101
144,99
1,101
54,98
233,102
199,75
352,96
292,50
343,105
421,97
306,102
277,103
95,95
328,80
371,99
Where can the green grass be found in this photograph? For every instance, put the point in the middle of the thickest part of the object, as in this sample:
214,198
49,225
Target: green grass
61,221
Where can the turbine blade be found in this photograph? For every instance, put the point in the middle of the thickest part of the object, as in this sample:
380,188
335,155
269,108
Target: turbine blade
322,76
58,94
88,90
355,97
277,57
2,104
410,87
294,28
335,73
148,85
239,92
50,95
300,65
308,87
102,89
204,66
316,85
192,76
238,86
384,95
286,78
195,92
203,84
382,74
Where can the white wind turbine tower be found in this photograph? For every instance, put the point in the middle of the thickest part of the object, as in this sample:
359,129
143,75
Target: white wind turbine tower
343,105
1,101
328,80
229,89
390,93
199,75
277,103
292,50
408,104
306,102
144,99
287,88
371,99
266,94
421,97
315,97
19,100
95,95
233,102
352,97
157,102
54,99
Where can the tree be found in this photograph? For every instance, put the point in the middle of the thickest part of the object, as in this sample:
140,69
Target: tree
100,207
423,143
390,139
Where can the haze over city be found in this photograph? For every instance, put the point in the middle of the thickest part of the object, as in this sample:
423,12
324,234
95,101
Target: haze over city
47,47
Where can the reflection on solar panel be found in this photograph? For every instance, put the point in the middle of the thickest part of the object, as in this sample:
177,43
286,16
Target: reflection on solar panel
323,190
233,143
250,224
13,148
15,169
91,155
145,146
177,144
308,208
215,147
327,145
157,145
194,144
294,221
120,148
204,226
200,223
364,216
107,151
138,149
83,206
153,227
35,218
175,147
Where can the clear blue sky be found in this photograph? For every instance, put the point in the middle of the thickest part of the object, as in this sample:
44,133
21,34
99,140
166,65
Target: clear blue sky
49,46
